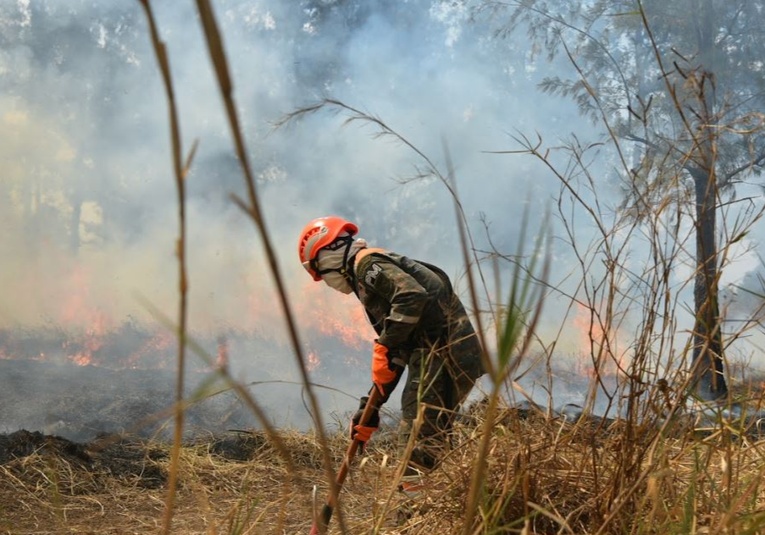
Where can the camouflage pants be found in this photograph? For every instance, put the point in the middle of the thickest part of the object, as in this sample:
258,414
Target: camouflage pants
437,383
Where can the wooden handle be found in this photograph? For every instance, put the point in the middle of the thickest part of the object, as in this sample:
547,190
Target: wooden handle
350,453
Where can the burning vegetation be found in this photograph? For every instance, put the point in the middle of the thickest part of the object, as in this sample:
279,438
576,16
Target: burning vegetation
100,436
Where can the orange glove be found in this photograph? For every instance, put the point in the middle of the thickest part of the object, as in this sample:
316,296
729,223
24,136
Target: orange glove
383,371
363,433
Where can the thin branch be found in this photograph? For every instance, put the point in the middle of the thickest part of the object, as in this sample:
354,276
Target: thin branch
220,63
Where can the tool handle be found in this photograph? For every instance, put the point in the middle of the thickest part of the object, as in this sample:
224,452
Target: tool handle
350,453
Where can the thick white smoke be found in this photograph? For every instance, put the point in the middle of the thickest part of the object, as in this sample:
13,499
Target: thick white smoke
89,211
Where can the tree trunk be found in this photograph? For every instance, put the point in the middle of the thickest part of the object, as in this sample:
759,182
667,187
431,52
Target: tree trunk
707,364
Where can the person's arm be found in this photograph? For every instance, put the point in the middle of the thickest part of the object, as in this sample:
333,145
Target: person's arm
386,371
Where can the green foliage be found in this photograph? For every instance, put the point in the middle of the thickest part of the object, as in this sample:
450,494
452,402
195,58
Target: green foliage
523,302
631,56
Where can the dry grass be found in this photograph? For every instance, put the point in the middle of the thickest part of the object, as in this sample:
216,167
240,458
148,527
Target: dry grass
543,476
50,492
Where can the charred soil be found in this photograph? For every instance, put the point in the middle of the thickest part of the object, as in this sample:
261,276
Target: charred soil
81,403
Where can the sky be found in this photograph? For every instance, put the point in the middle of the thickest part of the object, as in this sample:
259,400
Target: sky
86,125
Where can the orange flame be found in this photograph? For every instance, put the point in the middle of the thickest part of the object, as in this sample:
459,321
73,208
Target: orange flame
81,359
596,342
93,341
333,315
156,353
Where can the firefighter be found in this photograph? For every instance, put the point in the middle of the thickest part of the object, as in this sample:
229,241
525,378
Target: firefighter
420,323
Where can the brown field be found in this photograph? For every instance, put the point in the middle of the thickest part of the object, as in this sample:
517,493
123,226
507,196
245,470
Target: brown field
544,475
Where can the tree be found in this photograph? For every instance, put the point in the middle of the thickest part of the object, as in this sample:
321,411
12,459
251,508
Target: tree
73,67
681,83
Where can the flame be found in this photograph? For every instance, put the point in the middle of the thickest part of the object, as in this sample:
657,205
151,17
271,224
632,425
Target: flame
81,359
78,306
352,328
93,340
330,314
83,327
158,352
593,340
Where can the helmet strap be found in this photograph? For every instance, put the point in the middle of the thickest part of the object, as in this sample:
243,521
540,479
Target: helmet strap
343,269
349,242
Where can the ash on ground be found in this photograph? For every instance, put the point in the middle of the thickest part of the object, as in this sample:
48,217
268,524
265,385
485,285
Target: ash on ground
81,403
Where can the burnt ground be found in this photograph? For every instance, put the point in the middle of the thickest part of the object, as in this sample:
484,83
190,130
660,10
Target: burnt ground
84,450
87,449
126,458
81,403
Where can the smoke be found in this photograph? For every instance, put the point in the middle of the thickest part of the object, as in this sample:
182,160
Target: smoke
89,206
90,185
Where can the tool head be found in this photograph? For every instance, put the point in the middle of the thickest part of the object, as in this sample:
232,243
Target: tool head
321,522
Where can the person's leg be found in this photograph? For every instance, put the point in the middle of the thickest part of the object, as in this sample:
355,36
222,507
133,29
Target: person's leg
429,390
409,404
464,355
463,350
465,368
410,484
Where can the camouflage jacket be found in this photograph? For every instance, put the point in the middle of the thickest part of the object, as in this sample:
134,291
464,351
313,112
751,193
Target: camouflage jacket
414,310
409,303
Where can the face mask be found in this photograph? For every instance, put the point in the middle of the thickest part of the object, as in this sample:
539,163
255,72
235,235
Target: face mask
337,281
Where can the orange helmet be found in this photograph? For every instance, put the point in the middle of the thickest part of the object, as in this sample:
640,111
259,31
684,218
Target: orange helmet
317,234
